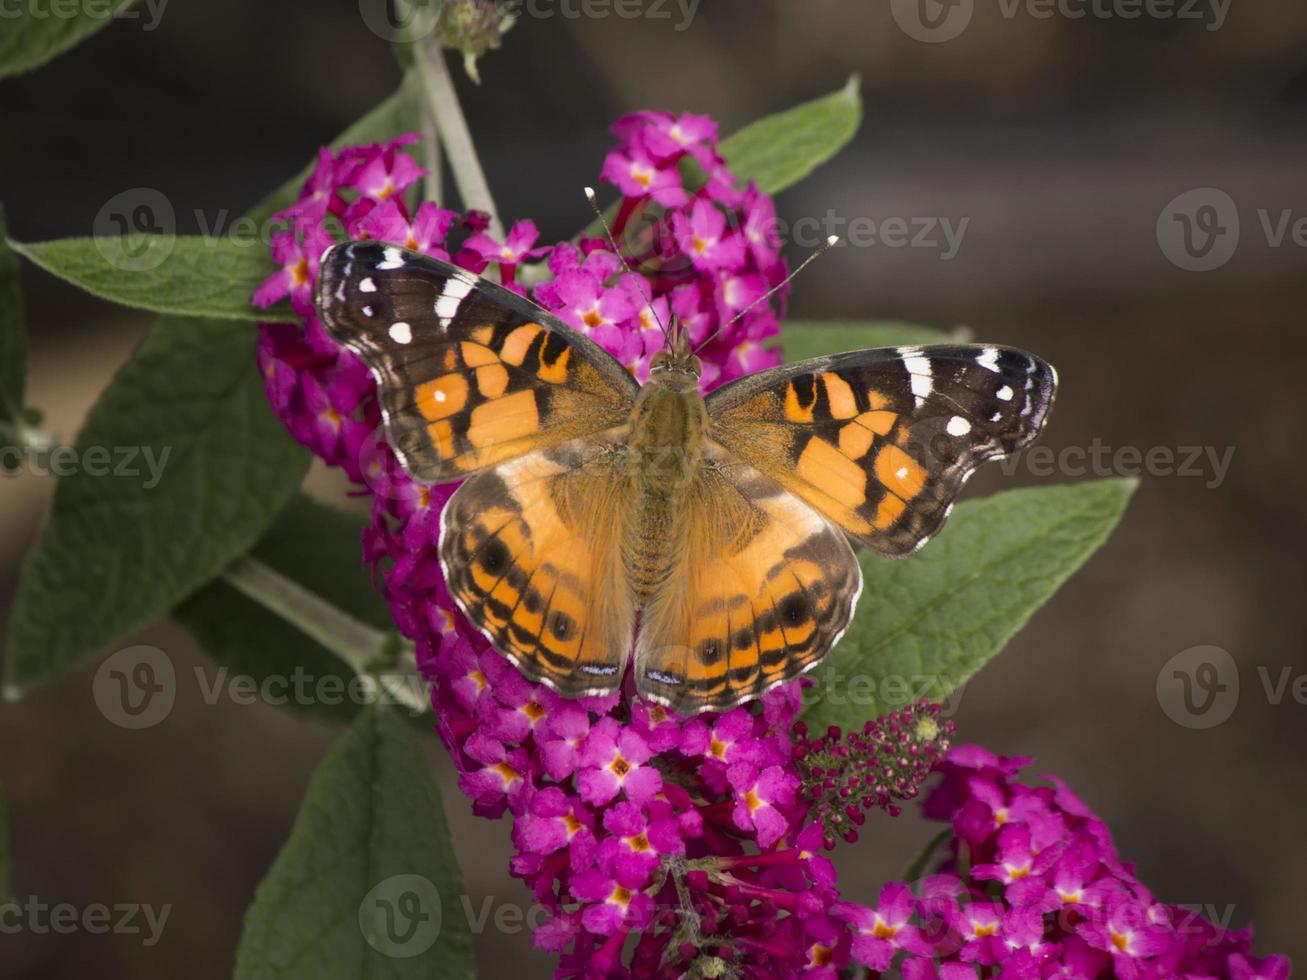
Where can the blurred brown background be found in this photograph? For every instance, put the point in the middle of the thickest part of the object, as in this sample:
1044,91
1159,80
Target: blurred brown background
1061,140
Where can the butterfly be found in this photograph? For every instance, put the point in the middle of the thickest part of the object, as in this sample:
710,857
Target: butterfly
714,533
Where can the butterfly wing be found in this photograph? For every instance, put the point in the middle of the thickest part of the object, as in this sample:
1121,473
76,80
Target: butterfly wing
763,587
531,552
881,441
468,372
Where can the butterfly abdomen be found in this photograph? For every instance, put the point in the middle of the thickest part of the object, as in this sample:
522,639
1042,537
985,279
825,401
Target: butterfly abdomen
664,455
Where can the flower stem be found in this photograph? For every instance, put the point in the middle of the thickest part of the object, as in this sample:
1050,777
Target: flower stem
370,652
441,101
431,190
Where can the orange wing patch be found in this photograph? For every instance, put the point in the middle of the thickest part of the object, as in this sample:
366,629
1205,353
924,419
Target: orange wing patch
531,553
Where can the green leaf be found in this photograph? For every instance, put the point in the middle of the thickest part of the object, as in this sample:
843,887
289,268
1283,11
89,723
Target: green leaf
801,339
925,625
780,150
35,33
318,547
13,344
186,275
397,115
367,887
179,468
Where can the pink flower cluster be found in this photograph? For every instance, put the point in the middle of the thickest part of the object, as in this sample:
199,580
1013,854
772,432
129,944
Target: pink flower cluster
703,836
1032,887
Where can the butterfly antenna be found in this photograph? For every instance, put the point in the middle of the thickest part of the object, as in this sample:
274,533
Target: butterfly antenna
830,244
594,204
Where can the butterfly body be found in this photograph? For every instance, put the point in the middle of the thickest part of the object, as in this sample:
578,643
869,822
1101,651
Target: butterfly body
711,537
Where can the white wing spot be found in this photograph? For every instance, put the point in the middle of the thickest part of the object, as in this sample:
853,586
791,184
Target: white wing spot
958,426
392,259
366,285
450,298
440,395
989,359
919,376
401,332
1004,394
902,473
367,311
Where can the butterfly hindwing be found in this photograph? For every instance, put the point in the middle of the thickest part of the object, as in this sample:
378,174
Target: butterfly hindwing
881,441
531,552
469,373
762,588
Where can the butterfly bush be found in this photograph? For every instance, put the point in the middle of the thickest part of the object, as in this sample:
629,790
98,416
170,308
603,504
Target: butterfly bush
670,846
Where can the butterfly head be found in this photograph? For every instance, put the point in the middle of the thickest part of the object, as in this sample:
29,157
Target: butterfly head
676,365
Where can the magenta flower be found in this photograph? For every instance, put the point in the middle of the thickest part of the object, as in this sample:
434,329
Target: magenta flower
553,820
636,845
612,906
612,761
635,173
297,253
759,799
704,237
379,175
1127,934
516,248
425,233
883,931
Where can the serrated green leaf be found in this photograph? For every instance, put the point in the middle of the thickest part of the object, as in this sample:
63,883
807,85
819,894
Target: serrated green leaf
318,547
779,150
925,625
801,339
35,34
368,886
186,275
397,115
13,344
178,470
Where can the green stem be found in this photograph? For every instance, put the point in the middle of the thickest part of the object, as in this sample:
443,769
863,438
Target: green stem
441,100
370,652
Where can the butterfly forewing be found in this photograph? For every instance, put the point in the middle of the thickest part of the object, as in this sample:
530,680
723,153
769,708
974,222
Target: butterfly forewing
881,441
469,373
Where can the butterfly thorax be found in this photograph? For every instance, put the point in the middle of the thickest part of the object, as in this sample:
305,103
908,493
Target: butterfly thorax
668,426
